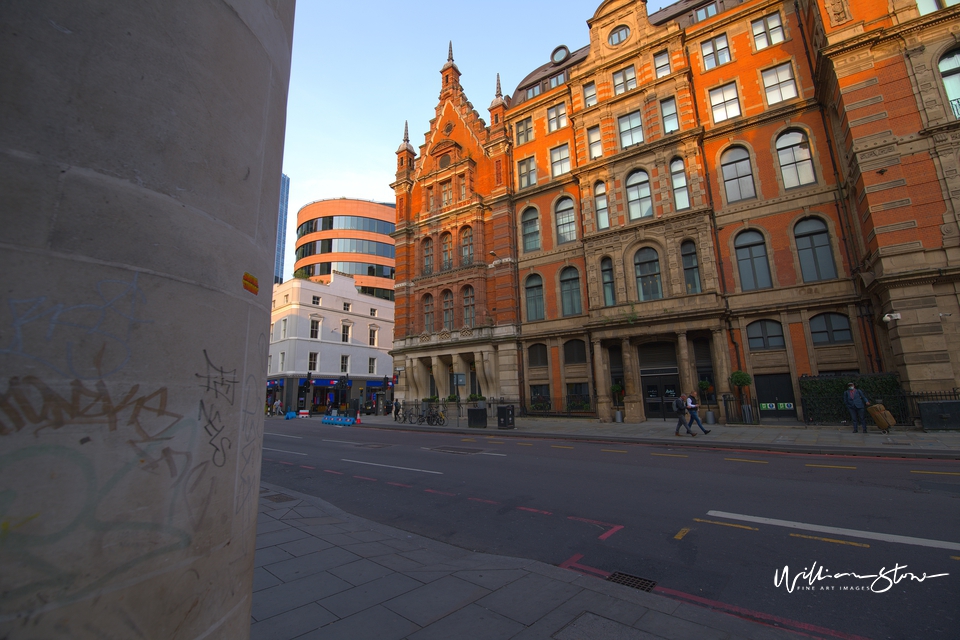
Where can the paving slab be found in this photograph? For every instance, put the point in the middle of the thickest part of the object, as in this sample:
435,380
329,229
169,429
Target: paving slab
467,623
347,603
292,624
590,626
360,572
288,570
436,600
530,598
291,595
376,623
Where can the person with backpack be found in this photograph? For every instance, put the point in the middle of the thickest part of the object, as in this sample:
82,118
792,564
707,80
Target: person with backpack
680,408
857,404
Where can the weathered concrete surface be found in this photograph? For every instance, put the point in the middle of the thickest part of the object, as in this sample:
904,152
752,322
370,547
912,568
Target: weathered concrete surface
140,154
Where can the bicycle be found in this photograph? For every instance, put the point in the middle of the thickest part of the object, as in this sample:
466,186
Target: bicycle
433,417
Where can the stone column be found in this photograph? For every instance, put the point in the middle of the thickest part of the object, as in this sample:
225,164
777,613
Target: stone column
441,377
601,382
633,399
485,388
721,367
687,383
140,155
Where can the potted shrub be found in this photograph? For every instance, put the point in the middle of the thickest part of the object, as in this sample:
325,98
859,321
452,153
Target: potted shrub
705,389
742,379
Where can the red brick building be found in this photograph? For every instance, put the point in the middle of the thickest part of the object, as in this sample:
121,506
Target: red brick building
718,186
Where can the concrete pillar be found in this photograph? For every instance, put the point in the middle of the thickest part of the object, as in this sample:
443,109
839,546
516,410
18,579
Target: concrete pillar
485,388
140,153
721,367
441,377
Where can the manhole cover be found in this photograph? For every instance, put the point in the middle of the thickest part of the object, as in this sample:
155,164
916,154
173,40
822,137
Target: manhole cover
632,581
280,497
458,450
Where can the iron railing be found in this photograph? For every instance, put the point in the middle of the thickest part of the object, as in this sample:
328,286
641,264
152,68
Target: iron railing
902,404
569,405
740,412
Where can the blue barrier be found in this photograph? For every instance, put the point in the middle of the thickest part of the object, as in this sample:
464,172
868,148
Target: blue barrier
338,420
290,415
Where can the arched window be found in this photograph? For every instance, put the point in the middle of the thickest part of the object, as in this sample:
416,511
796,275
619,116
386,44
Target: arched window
537,355
428,313
566,221
530,226
469,309
574,352
639,200
765,334
427,246
814,251
600,205
796,162
466,246
606,276
950,72
737,174
447,298
446,251
647,265
678,178
830,328
752,261
570,292
691,268
534,292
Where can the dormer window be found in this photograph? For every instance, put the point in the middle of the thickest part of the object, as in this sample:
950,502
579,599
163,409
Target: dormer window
706,11
533,91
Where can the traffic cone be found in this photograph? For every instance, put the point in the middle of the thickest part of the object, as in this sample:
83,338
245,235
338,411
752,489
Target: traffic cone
358,416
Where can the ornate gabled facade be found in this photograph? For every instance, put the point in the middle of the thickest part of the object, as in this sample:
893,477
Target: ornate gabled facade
717,186
456,308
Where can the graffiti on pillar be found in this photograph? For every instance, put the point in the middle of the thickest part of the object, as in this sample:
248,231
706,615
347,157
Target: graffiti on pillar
219,385
87,341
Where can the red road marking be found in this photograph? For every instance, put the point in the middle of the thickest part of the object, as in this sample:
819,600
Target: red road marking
613,527
365,478
397,484
286,463
546,513
571,563
303,466
339,473
442,493
750,614
483,501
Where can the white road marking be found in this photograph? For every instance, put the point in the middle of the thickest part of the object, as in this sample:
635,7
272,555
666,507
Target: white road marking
342,441
282,435
853,533
488,453
390,466
296,453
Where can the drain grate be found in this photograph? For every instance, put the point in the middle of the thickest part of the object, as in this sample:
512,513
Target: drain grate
458,450
632,581
280,497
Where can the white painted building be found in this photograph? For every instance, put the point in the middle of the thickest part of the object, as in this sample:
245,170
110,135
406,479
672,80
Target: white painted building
328,334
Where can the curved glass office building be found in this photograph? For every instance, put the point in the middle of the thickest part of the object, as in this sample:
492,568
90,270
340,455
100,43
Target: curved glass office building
348,236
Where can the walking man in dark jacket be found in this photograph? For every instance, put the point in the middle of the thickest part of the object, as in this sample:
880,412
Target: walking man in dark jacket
857,404
680,407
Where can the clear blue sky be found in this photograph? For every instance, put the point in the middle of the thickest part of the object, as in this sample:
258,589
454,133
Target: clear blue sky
360,69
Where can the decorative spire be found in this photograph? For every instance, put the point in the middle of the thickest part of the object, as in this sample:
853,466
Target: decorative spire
450,62
406,146
498,100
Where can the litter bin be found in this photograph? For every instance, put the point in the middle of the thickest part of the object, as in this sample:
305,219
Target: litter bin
505,417
477,418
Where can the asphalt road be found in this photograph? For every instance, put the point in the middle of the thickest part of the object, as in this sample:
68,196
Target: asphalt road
711,527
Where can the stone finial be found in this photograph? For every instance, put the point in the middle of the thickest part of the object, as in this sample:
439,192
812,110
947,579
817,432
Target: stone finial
498,99
499,93
450,52
450,62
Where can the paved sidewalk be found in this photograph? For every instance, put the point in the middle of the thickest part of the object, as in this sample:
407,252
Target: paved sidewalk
324,574
784,436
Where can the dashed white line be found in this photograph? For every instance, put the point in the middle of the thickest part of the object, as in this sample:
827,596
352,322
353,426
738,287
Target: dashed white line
853,533
342,442
390,466
282,435
296,453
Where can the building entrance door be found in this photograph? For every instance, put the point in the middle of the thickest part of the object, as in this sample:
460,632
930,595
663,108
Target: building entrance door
775,395
659,392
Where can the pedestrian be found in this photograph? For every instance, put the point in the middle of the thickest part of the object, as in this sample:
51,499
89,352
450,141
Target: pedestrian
693,409
680,407
396,408
857,404
277,406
